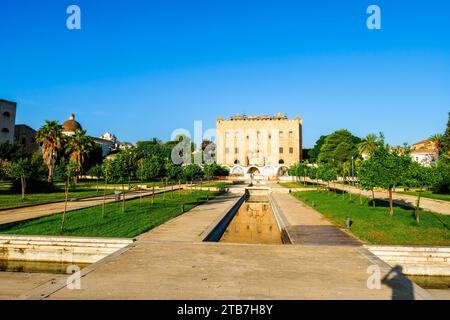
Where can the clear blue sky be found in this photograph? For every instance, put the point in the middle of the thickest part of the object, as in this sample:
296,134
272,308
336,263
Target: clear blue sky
141,69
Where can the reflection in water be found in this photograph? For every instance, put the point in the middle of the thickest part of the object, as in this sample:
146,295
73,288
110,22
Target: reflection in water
37,267
253,223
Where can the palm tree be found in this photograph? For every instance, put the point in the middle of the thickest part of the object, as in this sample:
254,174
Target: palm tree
79,146
51,139
436,139
368,145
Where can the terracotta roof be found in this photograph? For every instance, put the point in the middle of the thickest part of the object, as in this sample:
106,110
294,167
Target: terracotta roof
71,125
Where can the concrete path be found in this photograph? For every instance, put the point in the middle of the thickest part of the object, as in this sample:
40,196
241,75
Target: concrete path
31,212
308,227
195,224
171,262
438,206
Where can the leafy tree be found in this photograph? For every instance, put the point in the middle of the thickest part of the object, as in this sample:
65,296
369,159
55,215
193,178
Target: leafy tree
312,173
299,170
79,146
12,152
445,144
387,170
214,170
420,177
121,169
338,149
96,171
368,145
173,171
326,173
70,172
151,169
314,152
192,172
22,170
51,139
367,176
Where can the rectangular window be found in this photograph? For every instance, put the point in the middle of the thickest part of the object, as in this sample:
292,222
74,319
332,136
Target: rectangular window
281,134
236,150
227,150
281,150
291,150
291,134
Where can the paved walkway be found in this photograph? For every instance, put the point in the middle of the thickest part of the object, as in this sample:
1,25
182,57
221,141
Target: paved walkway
438,206
308,227
171,262
31,212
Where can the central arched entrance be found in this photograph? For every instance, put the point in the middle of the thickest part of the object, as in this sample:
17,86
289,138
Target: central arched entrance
253,170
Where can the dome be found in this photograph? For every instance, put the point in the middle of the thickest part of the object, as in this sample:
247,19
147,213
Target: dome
71,125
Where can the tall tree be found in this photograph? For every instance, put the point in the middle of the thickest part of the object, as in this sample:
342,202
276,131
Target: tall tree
21,170
314,152
79,146
436,141
368,145
446,140
420,177
51,139
385,169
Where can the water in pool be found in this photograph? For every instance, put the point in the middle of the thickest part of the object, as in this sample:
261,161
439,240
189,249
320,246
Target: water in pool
253,223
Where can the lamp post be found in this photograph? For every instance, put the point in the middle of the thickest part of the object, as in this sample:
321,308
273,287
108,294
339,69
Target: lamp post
53,164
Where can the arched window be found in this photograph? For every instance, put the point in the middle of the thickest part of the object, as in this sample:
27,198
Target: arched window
5,130
237,161
281,161
6,114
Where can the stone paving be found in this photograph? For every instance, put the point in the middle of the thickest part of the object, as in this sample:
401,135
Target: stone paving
171,262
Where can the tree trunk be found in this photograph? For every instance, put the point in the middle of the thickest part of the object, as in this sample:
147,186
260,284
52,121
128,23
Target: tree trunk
418,206
391,205
123,198
63,217
22,182
153,193
50,174
104,200
373,198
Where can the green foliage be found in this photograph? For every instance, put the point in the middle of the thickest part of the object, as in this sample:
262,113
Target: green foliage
12,152
141,216
21,169
446,139
384,169
371,224
326,173
312,173
121,168
214,170
314,152
173,171
192,172
151,169
96,171
299,170
442,183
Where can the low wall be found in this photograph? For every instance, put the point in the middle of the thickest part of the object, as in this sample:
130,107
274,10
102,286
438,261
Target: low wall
426,261
58,249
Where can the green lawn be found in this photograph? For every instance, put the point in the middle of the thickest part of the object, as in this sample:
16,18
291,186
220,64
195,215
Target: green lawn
139,217
14,200
217,184
374,225
298,185
429,194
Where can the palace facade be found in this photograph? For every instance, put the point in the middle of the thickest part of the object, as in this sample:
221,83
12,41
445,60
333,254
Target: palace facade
263,147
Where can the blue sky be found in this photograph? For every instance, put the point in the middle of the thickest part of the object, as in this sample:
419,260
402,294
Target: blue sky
141,69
